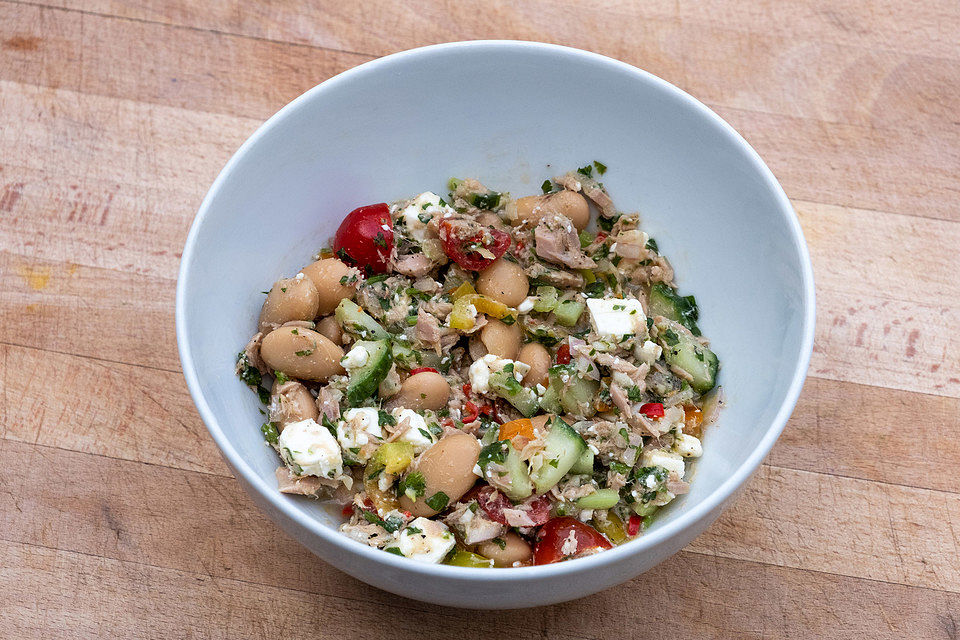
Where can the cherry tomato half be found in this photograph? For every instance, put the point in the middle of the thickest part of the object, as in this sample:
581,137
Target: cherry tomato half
557,534
461,242
493,502
365,238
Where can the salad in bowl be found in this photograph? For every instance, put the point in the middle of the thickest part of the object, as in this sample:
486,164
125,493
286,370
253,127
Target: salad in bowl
485,381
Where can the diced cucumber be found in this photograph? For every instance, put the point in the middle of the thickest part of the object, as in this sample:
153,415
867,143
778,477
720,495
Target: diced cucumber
684,352
550,400
665,302
599,499
546,299
562,448
576,394
506,386
365,380
355,320
410,358
644,509
584,463
568,312
504,470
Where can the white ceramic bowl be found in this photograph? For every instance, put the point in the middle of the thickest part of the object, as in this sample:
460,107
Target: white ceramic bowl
510,114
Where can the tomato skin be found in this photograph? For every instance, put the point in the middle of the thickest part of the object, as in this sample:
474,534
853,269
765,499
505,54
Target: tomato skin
493,505
495,241
553,535
493,502
363,240
563,354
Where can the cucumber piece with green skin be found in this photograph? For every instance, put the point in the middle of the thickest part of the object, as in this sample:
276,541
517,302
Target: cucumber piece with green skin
562,448
685,352
408,357
365,380
584,463
599,499
550,400
665,302
506,386
504,470
576,394
355,320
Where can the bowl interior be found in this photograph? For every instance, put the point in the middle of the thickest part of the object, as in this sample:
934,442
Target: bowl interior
511,115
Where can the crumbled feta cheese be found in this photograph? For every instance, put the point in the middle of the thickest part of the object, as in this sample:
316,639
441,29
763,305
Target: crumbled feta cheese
666,459
431,543
424,207
477,471
527,305
622,379
479,377
614,318
310,449
418,434
471,311
481,370
648,352
358,428
355,358
688,446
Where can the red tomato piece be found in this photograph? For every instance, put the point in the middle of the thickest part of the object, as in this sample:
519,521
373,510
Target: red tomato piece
365,238
539,509
493,503
347,510
467,388
633,525
652,409
461,241
414,372
563,354
554,545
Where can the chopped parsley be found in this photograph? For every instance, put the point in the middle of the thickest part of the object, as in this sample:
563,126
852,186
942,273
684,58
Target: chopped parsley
303,352
652,245
438,501
395,551
281,377
546,187
670,337
391,524
634,394
270,433
379,240
413,485
601,168
587,171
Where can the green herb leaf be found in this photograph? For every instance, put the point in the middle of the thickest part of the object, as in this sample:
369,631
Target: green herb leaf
270,433
601,168
438,501
546,187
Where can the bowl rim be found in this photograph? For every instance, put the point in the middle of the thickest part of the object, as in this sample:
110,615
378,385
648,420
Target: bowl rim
683,521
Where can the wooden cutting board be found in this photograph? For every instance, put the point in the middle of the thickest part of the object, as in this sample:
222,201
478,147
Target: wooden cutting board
117,516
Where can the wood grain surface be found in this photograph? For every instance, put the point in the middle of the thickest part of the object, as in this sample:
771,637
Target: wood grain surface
118,518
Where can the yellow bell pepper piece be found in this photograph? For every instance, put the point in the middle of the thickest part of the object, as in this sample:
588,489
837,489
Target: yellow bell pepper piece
463,318
464,289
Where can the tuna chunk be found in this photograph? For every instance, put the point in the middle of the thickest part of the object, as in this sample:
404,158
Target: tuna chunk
558,242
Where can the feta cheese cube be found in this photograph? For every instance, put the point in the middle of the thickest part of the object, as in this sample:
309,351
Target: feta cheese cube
615,318
358,428
355,358
309,449
688,446
418,434
661,458
648,352
426,541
